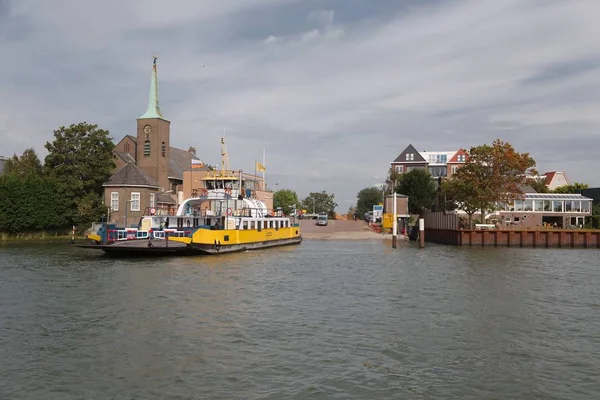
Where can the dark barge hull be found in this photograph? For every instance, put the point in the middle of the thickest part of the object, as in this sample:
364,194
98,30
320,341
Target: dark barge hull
133,248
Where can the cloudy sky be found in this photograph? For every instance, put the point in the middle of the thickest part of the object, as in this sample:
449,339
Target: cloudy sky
332,89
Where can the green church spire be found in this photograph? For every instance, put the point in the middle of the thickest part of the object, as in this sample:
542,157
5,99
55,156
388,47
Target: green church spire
153,110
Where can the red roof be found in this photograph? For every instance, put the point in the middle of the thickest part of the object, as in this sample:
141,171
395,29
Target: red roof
549,177
460,152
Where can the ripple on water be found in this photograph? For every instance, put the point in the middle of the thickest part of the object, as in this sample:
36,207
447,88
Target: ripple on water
322,320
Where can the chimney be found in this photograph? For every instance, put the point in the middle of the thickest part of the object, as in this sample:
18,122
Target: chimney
192,150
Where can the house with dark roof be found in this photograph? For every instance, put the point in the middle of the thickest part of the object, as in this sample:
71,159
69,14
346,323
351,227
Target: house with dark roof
149,171
440,164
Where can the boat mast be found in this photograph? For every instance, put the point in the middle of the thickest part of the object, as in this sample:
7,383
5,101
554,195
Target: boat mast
224,156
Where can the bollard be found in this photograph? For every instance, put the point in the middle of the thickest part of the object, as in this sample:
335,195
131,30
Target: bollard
421,232
394,223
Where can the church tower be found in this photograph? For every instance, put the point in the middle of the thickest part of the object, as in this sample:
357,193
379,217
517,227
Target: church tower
153,138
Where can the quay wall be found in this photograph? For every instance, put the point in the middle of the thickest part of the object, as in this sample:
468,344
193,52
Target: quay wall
515,238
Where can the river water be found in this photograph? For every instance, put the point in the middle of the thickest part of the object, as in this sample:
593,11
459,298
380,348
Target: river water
323,320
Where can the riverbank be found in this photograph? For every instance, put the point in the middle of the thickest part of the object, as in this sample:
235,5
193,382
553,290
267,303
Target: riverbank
35,237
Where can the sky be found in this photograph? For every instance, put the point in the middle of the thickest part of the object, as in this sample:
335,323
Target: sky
333,90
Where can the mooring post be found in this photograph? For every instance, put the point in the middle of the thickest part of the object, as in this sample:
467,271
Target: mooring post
421,232
394,223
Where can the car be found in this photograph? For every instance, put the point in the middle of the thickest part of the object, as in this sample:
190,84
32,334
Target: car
322,220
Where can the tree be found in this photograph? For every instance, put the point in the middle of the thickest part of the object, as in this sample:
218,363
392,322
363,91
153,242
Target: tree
27,164
320,203
496,172
80,158
286,199
574,188
29,203
393,177
367,198
420,189
461,193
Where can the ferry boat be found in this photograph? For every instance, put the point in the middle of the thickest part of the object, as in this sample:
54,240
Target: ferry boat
221,217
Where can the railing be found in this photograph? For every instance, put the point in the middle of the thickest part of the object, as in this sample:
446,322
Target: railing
115,235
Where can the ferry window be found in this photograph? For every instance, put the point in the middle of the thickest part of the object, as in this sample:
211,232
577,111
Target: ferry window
226,238
245,224
135,201
252,225
259,225
114,201
277,225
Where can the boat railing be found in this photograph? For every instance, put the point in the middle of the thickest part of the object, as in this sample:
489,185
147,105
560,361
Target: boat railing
135,234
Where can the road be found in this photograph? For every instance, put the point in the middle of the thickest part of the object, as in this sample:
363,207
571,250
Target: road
341,229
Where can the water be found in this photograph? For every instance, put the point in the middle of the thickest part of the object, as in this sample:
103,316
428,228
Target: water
323,320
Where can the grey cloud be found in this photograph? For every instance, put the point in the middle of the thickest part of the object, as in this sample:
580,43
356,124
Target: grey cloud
338,92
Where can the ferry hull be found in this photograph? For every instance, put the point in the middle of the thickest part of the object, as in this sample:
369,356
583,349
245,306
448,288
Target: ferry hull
232,248
135,248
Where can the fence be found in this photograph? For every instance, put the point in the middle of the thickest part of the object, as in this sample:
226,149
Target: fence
444,228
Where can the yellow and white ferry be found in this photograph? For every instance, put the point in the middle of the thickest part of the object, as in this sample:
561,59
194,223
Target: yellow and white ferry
221,217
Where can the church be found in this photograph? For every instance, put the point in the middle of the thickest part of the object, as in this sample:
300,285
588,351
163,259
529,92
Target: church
150,173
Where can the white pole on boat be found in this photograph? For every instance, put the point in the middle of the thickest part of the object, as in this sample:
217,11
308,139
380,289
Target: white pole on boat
264,165
394,223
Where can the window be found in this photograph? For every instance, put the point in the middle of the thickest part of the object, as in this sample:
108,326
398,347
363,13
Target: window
519,205
454,169
441,158
126,147
163,149
539,205
557,206
399,169
152,200
135,201
461,158
410,156
114,201
147,148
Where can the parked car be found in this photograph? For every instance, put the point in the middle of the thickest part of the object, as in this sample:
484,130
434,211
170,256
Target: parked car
368,216
322,220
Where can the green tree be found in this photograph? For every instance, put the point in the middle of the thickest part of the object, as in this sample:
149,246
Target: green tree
367,198
286,199
574,188
27,164
393,177
420,189
461,193
320,202
496,172
80,159
29,203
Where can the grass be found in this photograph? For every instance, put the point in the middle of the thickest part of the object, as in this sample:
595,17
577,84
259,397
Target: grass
41,236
